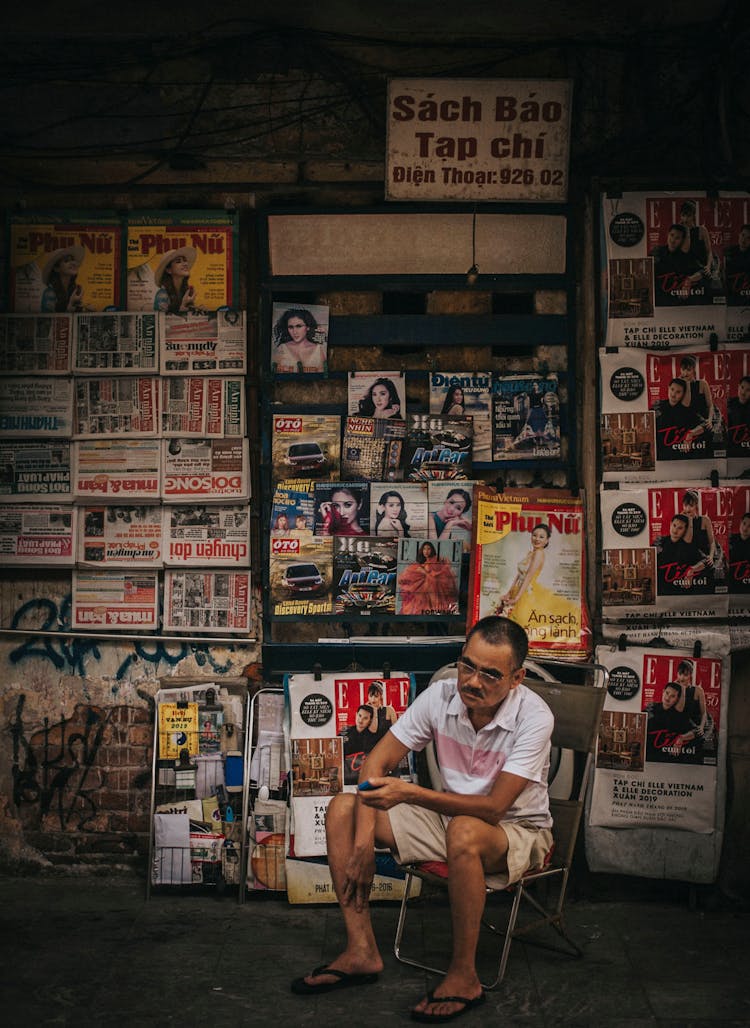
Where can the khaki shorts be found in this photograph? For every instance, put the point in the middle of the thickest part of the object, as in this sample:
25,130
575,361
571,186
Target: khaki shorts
420,835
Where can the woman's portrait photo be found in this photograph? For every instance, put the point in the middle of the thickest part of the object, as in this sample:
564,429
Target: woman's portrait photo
62,293
300,338
174,294
377,394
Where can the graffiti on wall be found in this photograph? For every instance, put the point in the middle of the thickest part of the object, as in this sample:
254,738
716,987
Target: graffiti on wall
75,655
57,769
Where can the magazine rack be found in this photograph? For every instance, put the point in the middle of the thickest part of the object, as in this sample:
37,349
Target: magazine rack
528,322
215,852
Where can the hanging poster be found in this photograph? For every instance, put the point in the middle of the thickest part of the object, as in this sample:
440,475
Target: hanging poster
342,508
299,343
663,414
63,262
377,394
451,511
35,344
527,563
735,256
179,261
117,406
664,551
658,746
334,723
663,269
364,575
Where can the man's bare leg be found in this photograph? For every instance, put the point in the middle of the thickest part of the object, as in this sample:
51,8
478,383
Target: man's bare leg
474,847
361,955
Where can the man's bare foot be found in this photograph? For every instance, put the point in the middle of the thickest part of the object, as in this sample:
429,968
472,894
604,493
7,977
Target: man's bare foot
469,988
349,963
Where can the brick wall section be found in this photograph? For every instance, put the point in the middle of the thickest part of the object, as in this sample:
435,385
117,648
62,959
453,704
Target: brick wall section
94,773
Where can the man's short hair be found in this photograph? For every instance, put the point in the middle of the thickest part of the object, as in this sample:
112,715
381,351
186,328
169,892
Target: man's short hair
673,685
500,631
366,707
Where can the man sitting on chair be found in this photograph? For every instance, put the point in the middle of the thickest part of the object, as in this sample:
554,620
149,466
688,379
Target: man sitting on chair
492,737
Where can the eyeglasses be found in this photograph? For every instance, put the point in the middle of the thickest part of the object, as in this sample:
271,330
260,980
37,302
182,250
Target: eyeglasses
488,675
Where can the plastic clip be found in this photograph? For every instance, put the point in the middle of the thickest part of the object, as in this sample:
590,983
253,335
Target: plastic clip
715,479
622,642
317,672
713,342
697,648
386,669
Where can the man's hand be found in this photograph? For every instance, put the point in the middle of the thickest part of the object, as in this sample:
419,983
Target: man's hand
358,875
385,793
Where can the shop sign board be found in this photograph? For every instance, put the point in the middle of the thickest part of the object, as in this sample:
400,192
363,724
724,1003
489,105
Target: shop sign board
478,139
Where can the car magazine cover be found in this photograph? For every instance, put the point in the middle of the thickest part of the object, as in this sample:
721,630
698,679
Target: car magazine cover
120,537
35,470
43,534
451,511
36,344
334,722
378,394
525,417
64,262
117,406
305,447
438,448
117,469
181,260
527,563
462,393
341,508
664,551
36,408
115,599
300,576
738,411
373,449
661,408
364,575
199,342
428,577
121,344
209,470
198,406
299,339
207,536
659,747
398,513
207,601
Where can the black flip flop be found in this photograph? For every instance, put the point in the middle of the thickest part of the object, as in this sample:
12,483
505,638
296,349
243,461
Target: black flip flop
468,1004
344,981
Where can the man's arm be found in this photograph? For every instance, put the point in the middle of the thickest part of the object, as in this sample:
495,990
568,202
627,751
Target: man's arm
490,808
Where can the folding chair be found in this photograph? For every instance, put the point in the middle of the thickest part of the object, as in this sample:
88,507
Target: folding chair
577,712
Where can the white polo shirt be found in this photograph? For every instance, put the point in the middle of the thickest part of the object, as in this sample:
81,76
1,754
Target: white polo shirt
516,740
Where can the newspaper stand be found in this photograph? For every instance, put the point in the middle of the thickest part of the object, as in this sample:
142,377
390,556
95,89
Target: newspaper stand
190,852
